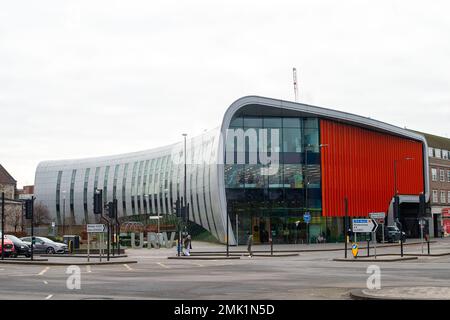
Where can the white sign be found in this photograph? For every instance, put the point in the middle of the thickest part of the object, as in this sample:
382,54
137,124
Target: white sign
95,228
377,215
364,225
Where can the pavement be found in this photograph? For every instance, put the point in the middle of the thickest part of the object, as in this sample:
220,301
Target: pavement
403,293
309,275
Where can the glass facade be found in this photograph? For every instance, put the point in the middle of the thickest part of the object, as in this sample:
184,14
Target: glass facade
274,201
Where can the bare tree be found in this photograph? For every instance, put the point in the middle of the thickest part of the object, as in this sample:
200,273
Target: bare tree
41,214
13,216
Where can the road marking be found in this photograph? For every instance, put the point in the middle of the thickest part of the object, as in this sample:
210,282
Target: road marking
88,269
128,267
45,282
43,271
49,297
197,264
163,265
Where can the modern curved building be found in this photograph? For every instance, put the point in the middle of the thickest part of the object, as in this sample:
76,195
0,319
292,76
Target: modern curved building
266,165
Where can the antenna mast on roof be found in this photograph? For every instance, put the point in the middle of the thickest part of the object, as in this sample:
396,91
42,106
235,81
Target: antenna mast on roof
294,71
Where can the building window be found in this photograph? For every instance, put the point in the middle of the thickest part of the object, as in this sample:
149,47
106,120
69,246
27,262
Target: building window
445,154
448,175
116,171
124,182
437,153
448,196
85,189
430,152
442,196
105,184
442,175
435,196
71,200
58,197
433,174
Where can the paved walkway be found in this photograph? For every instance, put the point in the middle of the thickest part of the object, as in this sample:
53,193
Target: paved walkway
403,293
199,246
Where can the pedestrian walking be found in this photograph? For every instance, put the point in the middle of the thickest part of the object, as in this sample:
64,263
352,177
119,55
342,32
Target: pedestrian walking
187,245
249,244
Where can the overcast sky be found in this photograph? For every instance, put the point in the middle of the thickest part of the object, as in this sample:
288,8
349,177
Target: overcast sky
91,78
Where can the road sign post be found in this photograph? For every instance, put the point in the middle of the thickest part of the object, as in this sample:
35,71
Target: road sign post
422,225
379,218
307,219
98,229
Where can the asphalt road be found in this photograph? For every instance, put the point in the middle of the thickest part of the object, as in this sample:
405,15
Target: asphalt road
308,276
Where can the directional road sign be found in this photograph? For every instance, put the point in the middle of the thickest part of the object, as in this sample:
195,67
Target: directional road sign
307,217
377,215
364,225
95,228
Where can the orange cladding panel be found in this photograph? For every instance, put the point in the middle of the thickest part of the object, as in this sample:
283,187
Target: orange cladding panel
358,164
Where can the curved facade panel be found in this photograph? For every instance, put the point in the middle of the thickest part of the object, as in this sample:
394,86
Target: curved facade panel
146,182
358,164
259,172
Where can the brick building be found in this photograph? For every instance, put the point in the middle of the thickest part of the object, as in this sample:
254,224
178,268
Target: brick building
439,171
13,209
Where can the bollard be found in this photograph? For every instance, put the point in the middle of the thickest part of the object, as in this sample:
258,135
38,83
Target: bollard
428,247
70,246
271,246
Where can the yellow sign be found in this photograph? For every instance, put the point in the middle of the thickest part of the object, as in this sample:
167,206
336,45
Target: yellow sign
355,250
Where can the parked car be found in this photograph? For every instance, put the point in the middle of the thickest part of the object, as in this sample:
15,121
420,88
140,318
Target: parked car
8,250
45,245
391,234
21,248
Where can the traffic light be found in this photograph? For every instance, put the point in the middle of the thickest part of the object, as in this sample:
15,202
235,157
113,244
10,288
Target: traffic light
110,210
98,202
396,207
176,207
29,209
421,205
185,213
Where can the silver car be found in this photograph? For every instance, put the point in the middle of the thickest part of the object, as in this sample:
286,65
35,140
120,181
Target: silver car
46,245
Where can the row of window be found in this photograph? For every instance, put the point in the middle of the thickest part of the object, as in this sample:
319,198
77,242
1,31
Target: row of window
442,196
155,185
438,153
434,175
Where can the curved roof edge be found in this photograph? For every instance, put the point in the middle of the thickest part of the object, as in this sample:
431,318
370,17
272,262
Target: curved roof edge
331,114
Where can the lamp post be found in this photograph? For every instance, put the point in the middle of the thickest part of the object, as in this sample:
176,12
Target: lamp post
396,205
185,168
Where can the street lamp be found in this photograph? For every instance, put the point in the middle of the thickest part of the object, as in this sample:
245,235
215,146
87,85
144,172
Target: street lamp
306,178
397,203
185,167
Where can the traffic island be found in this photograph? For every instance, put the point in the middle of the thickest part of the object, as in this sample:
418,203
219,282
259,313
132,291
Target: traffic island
83,256
65,263
372,259
205,258
402,293
23,259
259,254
